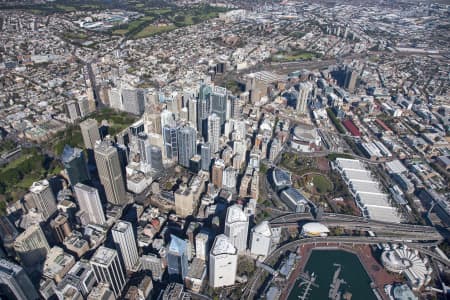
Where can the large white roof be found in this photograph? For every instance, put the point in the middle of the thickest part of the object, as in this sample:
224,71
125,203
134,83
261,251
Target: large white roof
315,227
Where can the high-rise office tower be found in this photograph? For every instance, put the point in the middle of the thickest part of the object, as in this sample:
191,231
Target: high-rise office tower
229,179
167,119
192,112
75,165
73,111
222,262
60,227
90,133
108,269
8,234
43,198
236,227
214,132
217,173
171,142
133,101
184,115
219,103
177,259
31,246
110,173
15,283
203,112
156,158
205,152
261,239
236,108
123,236
351,77
137,127
303,95
152,121
89,202
81,277
203,109
186,145
144,148
185,203
201,245
115,98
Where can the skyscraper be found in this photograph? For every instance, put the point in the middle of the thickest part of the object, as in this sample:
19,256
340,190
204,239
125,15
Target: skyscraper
351,77
222,262
108,269
214,132
177,259
170,142
236,108
75,165
144,148
31,246
110,173
133,101
89,202
192,112
217,173
123,236
229,179
261,239
8,234
219,103
81,277
90,133
205,151
203,109
236,227
186,145
15,283
156,158
302,99
201,245
167,119
43,198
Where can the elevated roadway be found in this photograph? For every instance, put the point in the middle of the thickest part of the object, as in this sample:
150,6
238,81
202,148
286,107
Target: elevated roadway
359,223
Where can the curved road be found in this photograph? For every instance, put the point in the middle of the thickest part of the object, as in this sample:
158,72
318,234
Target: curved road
252,286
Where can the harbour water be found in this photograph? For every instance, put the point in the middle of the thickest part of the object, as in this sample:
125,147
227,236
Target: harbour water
337,275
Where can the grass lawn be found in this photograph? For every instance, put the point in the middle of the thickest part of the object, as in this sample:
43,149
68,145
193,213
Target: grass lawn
293,56
17,162
75,36
132,26
152,30
65,8
322,184
161,11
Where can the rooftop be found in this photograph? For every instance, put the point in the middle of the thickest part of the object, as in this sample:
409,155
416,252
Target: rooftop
104,256
39,186
263,228
236,214
222,245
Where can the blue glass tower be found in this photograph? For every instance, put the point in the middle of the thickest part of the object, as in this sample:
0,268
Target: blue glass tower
177,259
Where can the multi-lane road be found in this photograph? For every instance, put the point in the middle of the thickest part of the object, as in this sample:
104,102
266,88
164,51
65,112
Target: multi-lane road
408,231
